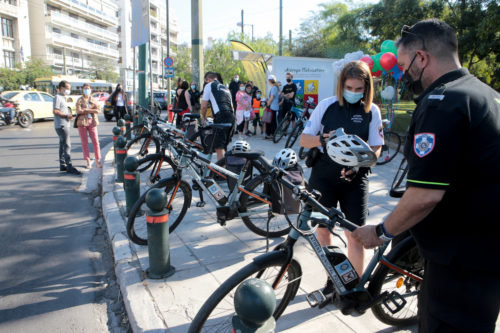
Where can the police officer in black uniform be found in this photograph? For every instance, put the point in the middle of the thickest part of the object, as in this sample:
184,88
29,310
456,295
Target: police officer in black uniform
450,206
353,110
289,91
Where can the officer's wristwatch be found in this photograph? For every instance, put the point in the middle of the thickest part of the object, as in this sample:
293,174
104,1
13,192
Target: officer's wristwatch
382,234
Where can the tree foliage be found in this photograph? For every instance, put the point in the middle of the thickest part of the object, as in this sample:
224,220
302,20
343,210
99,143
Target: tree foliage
103,69
12,79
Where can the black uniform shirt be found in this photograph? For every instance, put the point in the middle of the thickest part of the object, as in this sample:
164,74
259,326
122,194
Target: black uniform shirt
454,144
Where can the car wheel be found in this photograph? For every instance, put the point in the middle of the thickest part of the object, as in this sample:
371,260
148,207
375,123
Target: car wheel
108,117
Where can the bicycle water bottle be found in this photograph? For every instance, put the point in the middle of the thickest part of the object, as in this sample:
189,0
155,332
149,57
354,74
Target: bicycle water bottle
216,190
342,266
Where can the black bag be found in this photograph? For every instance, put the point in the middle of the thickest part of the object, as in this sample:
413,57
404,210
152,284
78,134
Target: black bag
235,164
291,205
207,138
312,157
75,125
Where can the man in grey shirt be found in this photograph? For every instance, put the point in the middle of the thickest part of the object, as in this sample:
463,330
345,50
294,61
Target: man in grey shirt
62,123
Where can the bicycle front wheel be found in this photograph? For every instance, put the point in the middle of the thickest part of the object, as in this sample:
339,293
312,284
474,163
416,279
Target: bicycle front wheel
255,213
156,166
143,145
281,130
398,186
294,135
403,274
216,314
178,201
390,148
136,131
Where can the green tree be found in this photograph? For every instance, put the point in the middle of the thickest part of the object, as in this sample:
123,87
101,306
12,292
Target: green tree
103,69
219,59
34,68
11,79
182,61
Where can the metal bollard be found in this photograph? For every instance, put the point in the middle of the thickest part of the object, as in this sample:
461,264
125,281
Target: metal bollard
121,154
158,236
116,134
131,181
127,126
254,303
121,123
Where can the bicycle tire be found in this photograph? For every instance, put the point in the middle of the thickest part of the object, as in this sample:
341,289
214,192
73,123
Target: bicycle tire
398,186
281,129
264,267
254,212
302,153
405,255
140,147
136,131
294,135
390,148
136,225
152,161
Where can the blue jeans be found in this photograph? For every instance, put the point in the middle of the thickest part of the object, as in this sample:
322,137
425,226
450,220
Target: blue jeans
64,146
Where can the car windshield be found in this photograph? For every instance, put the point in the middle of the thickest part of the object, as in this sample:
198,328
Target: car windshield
9,95
158,95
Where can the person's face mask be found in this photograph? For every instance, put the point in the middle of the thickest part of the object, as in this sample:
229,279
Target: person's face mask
193,87
242,88
352,97
258,95
236,79
86,92
67,92
288,80
415,86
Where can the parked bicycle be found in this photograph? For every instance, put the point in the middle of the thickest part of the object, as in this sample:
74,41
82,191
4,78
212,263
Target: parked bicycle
389,286
300,124
282,128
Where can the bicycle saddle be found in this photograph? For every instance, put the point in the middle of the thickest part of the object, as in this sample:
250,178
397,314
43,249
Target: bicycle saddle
220,126
249,155
176,110
192,115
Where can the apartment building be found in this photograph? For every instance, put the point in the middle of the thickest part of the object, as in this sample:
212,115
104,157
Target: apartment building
158,41
75,36
15,46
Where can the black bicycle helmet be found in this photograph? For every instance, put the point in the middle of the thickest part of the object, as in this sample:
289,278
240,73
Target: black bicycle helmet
349,150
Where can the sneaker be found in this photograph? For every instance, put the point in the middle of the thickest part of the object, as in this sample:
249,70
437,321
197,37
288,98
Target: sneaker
73,171
62,168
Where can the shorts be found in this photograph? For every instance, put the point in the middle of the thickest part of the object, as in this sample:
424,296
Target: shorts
222,137
458,298
351,196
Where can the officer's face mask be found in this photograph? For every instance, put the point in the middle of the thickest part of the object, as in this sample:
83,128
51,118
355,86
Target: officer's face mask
352,97
415,86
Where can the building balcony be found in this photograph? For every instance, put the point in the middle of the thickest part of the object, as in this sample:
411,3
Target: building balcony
74,43
70,23
85,10
9,10
58,59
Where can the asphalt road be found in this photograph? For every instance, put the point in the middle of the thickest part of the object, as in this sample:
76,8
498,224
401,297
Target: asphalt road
53,277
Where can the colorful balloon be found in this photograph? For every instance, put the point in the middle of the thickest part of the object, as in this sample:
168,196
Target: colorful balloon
376,63
369,61
388,46
377,73
387,61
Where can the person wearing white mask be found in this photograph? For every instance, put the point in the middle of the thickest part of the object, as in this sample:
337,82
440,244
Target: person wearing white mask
352,109
87,110
62,119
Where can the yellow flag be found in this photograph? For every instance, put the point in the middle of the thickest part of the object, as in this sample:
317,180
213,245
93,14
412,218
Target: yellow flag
254,67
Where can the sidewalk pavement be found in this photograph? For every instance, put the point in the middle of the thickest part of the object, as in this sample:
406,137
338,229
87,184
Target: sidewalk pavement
205,254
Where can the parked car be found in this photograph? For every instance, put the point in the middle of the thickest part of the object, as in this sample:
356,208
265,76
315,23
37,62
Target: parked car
108,109
37,104
161,96
101,96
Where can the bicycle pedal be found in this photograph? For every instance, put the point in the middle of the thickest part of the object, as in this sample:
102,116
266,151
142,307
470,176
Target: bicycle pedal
200,204
315,298
394,302
221,222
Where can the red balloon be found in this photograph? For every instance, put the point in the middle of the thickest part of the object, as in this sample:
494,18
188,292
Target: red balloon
369,61
377,73
387,61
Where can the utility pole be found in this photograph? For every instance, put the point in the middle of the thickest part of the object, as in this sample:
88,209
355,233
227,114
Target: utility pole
281,28
168,52
242,26
290,40
197,42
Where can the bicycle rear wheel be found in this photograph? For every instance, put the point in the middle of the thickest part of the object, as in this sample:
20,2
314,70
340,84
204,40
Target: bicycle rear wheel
402,258
178,201
390,148
294,135
281,129
255,213
398,186
143,145
216,313
136,131
159,166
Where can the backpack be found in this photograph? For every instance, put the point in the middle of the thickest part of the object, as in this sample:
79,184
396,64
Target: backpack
291,206
222,96
235,164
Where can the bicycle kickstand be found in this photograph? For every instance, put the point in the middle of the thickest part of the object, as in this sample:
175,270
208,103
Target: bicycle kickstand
201,203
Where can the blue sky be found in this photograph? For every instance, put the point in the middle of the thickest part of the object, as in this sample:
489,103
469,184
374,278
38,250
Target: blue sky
221,16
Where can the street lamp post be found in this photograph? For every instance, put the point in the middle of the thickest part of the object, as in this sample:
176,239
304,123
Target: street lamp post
239,25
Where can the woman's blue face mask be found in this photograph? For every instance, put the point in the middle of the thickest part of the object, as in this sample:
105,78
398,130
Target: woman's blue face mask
352,97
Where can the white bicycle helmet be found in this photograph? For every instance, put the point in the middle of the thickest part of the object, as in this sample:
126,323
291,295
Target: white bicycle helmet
285,158
240,145
349,150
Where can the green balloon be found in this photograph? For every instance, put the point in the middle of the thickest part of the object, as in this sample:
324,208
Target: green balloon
388,46
376,63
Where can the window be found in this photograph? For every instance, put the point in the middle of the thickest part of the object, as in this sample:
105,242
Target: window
7,28
56,30
47,98
75,55
53,9
32,97
73,16
58,51
74,35
11,2
9,59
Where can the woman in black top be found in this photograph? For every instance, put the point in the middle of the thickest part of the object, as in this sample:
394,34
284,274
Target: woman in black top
183,102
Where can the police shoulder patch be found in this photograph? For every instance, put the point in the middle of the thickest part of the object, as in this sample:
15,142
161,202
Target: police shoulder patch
424,143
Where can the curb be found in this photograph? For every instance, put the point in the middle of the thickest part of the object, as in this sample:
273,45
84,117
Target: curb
142,311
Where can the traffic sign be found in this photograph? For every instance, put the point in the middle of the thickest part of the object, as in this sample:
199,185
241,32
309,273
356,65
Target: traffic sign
169,72
168,61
